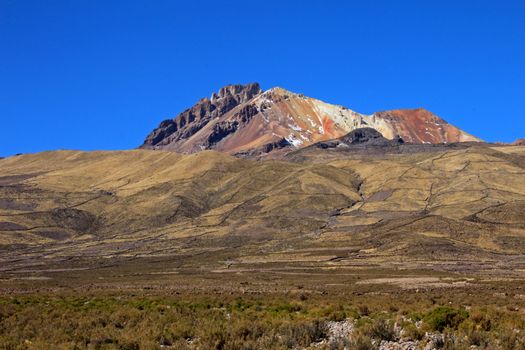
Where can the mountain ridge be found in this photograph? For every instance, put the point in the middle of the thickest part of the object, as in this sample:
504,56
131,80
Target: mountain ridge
244,119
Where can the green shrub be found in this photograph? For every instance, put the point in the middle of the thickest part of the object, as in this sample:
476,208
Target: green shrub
337,315
445,317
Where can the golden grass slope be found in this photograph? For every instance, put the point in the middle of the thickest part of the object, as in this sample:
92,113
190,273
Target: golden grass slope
450,209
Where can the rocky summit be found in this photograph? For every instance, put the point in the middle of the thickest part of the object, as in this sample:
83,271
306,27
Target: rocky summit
245,120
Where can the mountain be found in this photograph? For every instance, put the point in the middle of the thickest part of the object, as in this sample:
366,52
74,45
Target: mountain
456,207
519,142
244,120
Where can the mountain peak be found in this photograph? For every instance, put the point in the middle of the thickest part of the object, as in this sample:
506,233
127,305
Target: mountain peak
279,90
245,92
244,119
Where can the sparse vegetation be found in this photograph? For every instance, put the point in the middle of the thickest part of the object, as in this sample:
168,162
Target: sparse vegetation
241,322
380,329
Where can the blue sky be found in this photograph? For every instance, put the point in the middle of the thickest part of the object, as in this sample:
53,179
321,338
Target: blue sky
101,74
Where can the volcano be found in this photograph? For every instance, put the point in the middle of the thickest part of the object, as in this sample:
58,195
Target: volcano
245,120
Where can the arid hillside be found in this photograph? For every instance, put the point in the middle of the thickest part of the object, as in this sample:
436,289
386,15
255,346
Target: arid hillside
445,207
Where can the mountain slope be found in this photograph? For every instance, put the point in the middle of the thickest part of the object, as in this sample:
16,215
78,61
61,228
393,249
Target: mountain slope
442,208
246,120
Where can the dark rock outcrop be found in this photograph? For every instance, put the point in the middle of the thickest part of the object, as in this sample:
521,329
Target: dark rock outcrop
220,131
282,143
362,137
195,118
265,149
225,128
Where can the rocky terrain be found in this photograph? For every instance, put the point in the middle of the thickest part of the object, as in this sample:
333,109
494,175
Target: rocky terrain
245,120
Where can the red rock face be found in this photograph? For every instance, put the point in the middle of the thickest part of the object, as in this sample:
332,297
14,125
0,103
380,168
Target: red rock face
246,120
422,126
519,142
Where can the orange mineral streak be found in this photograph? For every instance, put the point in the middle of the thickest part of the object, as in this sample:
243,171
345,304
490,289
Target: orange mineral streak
422,126
328,125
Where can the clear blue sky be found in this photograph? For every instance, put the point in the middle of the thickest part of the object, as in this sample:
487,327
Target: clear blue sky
88,74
